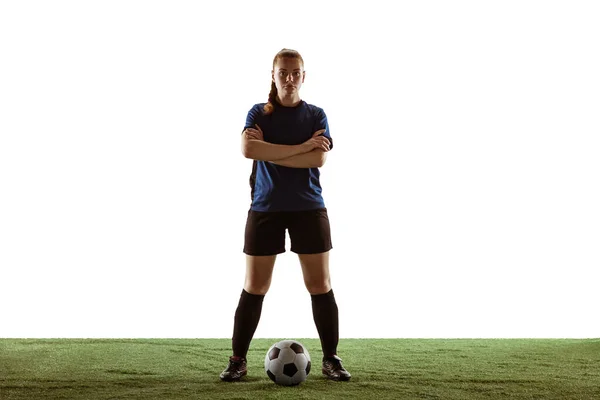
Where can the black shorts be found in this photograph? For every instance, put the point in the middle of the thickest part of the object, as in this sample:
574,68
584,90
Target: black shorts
309,232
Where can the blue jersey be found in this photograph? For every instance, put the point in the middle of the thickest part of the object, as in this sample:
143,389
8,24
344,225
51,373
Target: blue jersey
278,188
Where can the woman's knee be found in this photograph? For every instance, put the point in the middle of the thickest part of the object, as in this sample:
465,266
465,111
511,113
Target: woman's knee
315,269
257,287
318,287
259,270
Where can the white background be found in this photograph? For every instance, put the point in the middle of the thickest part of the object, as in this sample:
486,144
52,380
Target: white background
462,191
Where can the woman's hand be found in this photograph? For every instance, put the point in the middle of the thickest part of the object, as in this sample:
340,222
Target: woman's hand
317,142
254,133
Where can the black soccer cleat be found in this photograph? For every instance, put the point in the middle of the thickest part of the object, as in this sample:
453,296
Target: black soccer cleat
235,370
333,369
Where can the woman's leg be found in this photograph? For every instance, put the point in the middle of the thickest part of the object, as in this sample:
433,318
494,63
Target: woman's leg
315,270
264,239
311,240
259,270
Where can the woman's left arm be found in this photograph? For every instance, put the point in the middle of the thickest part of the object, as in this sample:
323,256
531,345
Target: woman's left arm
313,159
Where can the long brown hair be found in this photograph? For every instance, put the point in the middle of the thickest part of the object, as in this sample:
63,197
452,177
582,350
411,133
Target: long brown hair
287,53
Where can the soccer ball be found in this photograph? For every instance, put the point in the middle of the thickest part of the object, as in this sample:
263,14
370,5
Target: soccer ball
287,363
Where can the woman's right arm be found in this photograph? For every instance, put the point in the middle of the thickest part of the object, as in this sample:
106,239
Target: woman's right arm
264,151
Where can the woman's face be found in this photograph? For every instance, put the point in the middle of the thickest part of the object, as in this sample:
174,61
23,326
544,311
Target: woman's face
288,76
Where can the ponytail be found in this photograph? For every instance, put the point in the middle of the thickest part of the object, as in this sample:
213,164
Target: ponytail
269,107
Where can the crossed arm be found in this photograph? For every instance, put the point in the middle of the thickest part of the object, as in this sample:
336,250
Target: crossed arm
312,159
270,152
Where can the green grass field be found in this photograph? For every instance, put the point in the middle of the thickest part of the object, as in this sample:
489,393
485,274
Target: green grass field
381,369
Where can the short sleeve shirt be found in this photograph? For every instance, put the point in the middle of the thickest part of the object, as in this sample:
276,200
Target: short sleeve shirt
279,188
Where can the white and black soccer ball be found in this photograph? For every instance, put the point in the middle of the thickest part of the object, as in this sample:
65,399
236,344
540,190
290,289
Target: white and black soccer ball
287,363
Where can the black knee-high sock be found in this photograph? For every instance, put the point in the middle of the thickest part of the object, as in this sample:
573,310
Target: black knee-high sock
246,320
325,314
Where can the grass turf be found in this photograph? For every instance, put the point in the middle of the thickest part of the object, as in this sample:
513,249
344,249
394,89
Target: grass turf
381,369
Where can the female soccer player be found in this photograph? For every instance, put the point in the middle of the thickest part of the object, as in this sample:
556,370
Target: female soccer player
288,139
